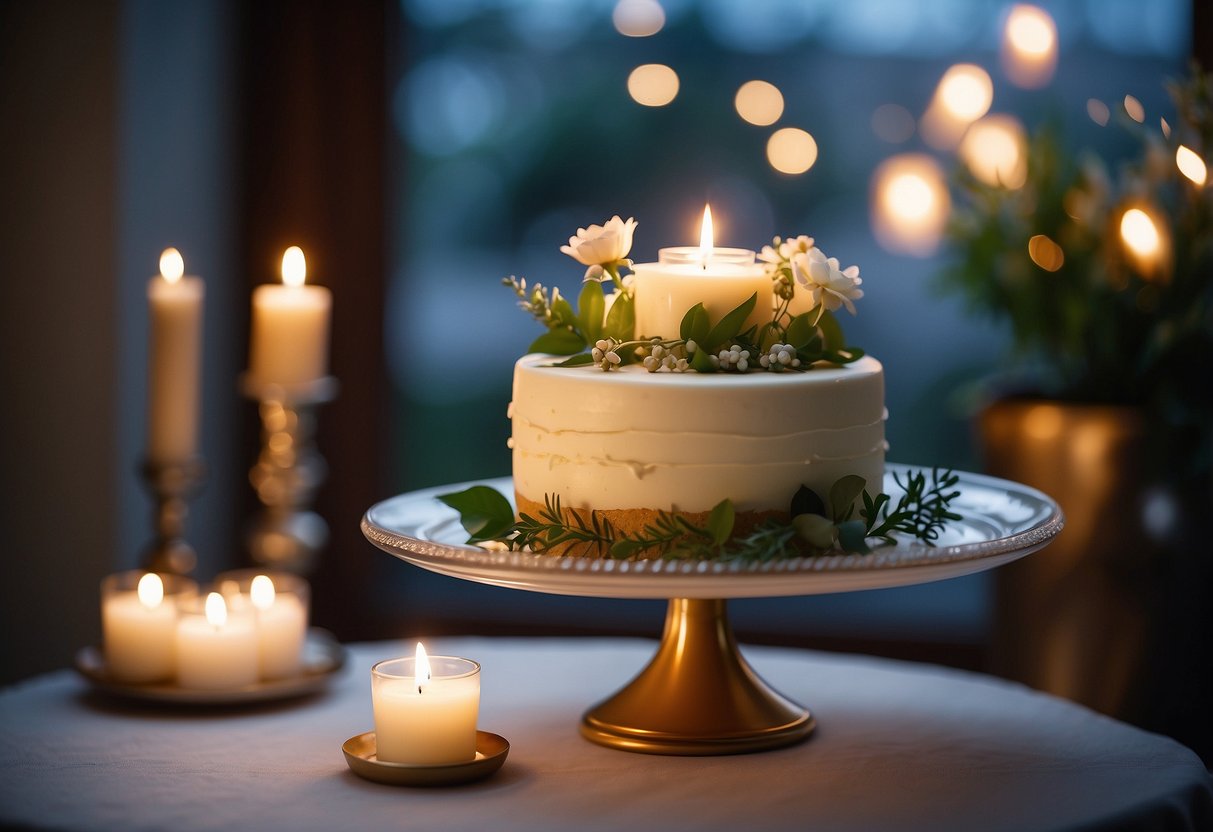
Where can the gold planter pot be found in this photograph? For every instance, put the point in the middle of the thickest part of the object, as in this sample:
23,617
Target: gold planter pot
1075,621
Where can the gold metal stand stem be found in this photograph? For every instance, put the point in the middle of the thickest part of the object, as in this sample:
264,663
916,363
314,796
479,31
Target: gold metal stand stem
698,696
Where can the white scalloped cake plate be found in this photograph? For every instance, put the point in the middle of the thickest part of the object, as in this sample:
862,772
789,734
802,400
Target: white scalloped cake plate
1003,521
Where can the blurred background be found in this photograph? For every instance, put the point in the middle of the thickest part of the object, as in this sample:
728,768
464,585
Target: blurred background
421,150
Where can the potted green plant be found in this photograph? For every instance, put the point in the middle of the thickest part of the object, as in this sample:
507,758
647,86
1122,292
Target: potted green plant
1104,277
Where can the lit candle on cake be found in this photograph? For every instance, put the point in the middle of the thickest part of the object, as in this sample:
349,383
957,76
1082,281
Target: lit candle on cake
719,278
139,625
216,648
174,360
426,709
290,331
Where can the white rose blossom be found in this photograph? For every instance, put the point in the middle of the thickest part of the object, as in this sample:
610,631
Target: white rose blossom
602,245
824,281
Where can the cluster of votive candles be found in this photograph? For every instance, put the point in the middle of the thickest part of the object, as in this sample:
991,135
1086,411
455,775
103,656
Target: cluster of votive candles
288,346
160,629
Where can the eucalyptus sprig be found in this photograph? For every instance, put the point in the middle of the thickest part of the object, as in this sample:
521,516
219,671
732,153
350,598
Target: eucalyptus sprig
817,526
569,330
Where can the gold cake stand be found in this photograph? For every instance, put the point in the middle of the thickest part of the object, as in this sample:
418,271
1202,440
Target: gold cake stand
698,695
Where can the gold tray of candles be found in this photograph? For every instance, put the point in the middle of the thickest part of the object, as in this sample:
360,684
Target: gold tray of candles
322,659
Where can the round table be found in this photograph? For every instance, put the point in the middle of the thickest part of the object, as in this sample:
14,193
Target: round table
900,746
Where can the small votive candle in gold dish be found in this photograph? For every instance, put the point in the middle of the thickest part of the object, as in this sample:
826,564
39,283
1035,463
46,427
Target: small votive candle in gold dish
216,646
139,624
426,709
279,602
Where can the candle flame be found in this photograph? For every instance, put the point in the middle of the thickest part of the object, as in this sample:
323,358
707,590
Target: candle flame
216,610
1190,164
706,241
262,592
294,266
421,669
172,265
151,590
1139,232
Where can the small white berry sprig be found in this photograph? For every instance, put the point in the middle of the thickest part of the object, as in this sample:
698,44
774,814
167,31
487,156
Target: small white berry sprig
605,354
779,357
663,357
734,358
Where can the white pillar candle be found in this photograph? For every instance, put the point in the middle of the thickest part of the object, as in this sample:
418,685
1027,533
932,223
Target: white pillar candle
174,360
279,602
290,331
139,625
216,649
426,709
719,278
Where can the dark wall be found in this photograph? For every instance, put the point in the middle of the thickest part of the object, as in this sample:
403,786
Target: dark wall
58,331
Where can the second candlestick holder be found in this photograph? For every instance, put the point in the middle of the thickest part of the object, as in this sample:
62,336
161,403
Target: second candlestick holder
287,534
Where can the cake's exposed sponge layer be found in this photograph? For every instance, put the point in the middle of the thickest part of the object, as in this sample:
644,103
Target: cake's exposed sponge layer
630,439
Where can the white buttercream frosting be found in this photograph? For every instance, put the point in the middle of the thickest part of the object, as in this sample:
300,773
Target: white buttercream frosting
686,441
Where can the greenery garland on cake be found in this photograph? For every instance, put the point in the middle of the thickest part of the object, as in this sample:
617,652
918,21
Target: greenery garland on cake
601,329
817,526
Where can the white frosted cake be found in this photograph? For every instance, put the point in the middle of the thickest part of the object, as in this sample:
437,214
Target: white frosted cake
630,442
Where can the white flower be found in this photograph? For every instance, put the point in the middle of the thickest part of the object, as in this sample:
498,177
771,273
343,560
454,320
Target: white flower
825,282
781,251
602,245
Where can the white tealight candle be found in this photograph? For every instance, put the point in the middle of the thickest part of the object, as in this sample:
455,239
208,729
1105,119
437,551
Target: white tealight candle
719,278
426,709
290,332
281,627
279,603
174,360
216,649
139,625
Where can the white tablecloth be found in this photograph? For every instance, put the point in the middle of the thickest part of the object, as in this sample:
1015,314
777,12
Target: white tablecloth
898,746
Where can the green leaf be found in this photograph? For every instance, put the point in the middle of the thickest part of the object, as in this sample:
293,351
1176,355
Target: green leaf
806,501
800,331
843,495
695,325
831,332
578,360
720,521
562,313
484,512
731,323
590,308
624,548
621,320
815,530
768,334
851,537
844,356
558,342
700,361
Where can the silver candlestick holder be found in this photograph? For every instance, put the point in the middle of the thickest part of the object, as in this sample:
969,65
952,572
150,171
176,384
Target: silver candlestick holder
286,534
171,484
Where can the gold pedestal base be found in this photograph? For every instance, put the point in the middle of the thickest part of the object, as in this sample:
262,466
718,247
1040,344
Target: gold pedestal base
698,696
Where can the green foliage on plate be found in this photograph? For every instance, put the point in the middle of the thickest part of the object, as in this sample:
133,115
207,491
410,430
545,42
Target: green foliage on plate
816,526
